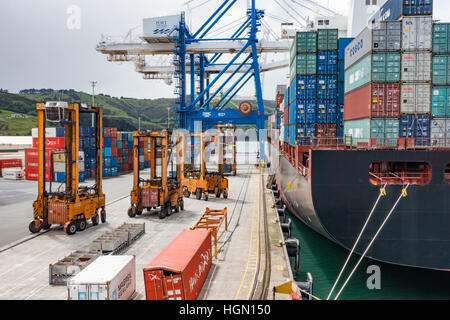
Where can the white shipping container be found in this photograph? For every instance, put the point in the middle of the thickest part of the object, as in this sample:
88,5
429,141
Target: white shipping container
13,173
417,33
282,133
415,98
440,132
107,278
161,29
358,48
416,66
49,132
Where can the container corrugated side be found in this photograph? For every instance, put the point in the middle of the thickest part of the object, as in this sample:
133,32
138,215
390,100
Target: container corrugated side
440,102
304,42
440,132
416,66
107,278
186,260
441,70
358,75
327,39
387,36
376,100
416,98
359,130
417,33
386,67
416,126
441,38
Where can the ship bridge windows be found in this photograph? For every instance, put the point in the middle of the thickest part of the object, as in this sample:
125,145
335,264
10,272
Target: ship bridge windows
447,174
400,173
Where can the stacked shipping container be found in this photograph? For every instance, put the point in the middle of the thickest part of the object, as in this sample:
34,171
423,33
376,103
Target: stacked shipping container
372,84
117,154
416,79
440,100
388,76
311,105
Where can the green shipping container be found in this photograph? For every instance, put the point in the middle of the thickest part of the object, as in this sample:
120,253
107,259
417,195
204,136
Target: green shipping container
358,75
386,67
359,130
304,42
441,70
387,131
327,39
440,102
382,67
441,38
303,64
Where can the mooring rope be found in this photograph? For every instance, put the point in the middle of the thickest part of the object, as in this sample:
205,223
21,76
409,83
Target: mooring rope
382,194
403,195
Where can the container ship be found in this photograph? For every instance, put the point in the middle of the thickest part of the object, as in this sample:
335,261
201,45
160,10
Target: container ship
364,115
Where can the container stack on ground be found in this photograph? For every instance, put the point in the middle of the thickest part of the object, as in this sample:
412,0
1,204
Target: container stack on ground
117,154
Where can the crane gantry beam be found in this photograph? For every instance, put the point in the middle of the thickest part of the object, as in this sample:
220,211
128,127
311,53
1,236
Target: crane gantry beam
206,47
146,69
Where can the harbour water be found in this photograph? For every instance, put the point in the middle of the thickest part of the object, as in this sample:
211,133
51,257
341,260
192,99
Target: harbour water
324,260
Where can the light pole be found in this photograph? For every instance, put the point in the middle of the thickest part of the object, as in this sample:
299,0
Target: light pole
168,117
93,84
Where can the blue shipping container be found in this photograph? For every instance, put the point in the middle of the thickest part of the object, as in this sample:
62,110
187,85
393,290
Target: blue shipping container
107,152
304,134
327,62
394,9
306,111
343,43
416,126
321,116
107,142
327,87
332,112
303,88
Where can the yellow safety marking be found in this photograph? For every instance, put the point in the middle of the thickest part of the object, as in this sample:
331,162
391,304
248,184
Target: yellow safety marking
383,191
257,239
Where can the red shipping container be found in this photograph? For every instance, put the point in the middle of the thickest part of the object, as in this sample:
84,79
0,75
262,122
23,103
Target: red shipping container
120,153
141,143
51,143
357,103
130,157
113,151
114,142
33,164
33,175
385,100
326,130
33,153
378,100
93,172
10,163
119,160
125,167
113,132
179,271
107,132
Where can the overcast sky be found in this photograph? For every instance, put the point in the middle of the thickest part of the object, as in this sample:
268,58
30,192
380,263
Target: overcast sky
38,50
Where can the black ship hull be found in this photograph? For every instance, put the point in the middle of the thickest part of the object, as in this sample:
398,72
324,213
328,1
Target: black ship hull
338,197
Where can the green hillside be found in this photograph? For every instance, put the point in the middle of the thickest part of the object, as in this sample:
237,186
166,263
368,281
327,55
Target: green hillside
18,111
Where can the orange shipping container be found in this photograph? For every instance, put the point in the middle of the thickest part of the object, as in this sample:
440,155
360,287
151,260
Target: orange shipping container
179,271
